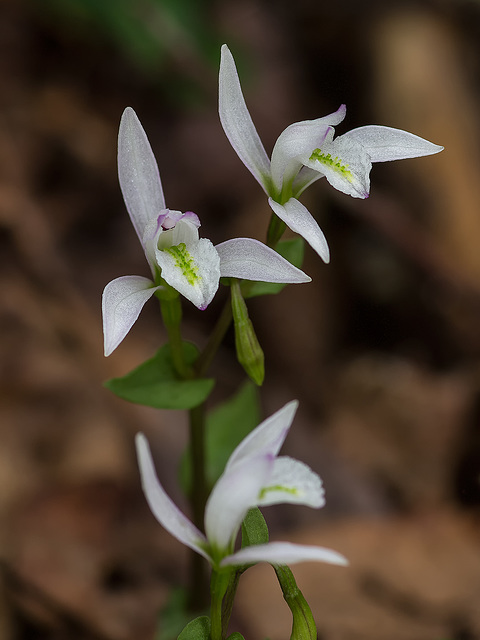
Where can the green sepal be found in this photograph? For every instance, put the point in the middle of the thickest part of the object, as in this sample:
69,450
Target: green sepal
303,625
226,426
235,636
293,251
198,629
254,528
156,384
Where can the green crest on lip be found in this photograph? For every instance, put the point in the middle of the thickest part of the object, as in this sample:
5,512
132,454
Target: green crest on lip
333,163
278,487
184,261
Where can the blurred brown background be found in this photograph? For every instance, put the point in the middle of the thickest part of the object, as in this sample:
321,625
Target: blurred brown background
382,349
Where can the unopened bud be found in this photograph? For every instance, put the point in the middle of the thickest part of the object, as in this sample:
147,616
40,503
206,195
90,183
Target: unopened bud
303,626
249,351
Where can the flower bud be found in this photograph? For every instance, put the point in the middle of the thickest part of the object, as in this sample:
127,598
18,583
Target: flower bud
303,626
249,351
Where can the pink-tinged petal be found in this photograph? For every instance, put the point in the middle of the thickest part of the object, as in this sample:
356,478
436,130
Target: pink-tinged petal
122,301
138,173
292,482
193,270
162,507
237,122
385,143
284,553
297,140
267,438
236,491
299,219
249,259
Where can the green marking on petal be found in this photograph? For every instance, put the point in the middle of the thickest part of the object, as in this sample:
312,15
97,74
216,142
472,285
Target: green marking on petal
184,261
333,163
277,487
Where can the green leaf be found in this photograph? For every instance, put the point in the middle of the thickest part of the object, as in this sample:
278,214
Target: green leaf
235,636
155,383
254,528
292,250
198,629
226,426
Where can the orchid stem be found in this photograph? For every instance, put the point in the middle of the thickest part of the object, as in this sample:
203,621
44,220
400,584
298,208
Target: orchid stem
172,317
276,229
198,498
205,358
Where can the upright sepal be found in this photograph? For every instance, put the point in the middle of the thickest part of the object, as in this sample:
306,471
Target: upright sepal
138,173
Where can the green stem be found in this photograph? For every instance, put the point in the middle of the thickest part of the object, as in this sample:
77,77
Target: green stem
218,586
172,317
275,231
205,358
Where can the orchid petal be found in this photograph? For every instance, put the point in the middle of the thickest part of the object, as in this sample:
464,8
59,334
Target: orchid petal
283,553
385,143
237,122
122,301
162,507
297,140
346,165
299,219
235,492
193,270
304,179
138,173
267,438
250,259
292,481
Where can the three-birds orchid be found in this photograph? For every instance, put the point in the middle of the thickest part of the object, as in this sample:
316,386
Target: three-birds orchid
254,476
306,151
177,257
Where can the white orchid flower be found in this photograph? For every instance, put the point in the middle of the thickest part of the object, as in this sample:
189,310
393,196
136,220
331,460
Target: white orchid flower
307,151
254,476
176,255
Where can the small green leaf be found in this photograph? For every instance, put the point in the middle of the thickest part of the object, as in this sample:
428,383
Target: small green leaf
235,636
226,426
254,528
198,629
156,384
292,250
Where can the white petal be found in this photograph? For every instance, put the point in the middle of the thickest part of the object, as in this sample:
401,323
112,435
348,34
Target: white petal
299,219
138,173
346,165
267,438
385,143
163,508
237,122
235,492
292,482
284,553
298,139
185,231
193,270
250,259
122,301
304,179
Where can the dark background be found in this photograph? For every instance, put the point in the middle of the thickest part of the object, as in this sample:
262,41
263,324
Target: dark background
382,349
